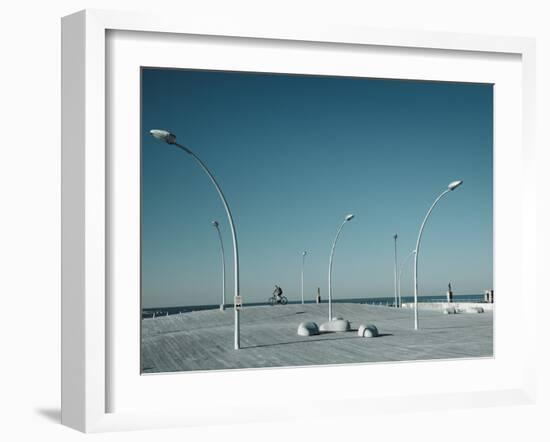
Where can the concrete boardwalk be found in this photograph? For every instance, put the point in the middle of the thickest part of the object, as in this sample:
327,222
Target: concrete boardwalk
203,340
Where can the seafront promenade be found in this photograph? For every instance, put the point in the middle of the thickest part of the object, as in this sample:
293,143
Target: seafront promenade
202,340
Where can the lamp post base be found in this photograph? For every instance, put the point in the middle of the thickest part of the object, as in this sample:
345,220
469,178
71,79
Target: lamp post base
237,331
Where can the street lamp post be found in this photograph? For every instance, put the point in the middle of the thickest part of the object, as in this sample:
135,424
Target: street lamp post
216,224
395,303
399,275
452,186
304,253
346,219
171,139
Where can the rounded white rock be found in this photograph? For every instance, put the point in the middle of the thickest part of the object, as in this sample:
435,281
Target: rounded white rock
308,329
336,325
474,310
367,331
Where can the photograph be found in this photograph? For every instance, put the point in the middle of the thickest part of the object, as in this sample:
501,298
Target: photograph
292,220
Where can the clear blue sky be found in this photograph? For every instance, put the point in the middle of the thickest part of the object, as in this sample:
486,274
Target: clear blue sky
294,155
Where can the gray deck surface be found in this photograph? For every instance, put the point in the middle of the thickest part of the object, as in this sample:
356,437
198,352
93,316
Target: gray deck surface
203,340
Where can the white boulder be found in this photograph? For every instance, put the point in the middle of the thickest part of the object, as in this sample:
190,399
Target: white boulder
336,325
367,331
308,329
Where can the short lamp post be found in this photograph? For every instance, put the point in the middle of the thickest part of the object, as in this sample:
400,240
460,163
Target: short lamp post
396,301
346,219
170,138
452,186
216,225
304,253
399,276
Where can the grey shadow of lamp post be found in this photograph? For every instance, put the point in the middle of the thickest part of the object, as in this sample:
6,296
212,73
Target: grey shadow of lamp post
170,138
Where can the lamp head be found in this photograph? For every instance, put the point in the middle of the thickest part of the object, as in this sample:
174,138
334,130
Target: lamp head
454,184
163,135
349,217
304,253
215,224
395,236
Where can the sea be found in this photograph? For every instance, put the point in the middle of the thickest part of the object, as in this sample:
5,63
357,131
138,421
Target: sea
387,301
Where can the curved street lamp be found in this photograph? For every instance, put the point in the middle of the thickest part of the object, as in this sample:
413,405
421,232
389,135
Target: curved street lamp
346,219
452,186
170,138
399,275
304,253
216,224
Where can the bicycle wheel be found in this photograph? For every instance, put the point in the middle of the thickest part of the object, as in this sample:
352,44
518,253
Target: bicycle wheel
271,301
284,300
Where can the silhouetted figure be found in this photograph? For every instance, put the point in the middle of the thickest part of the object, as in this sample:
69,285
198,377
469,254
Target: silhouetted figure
450,293
278,292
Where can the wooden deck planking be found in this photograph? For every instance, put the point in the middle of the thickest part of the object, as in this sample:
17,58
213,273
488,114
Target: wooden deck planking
203,340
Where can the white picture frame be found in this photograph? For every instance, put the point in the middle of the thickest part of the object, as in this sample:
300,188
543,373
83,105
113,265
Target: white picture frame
86,315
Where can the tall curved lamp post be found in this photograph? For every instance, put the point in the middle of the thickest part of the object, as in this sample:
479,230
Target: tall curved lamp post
216,224
452,186
304,253
171,139
395,302
346,219
399,275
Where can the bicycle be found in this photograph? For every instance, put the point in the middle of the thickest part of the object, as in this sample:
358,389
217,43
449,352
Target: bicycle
277,300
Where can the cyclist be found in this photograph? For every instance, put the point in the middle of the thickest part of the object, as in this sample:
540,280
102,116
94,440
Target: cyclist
278,292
